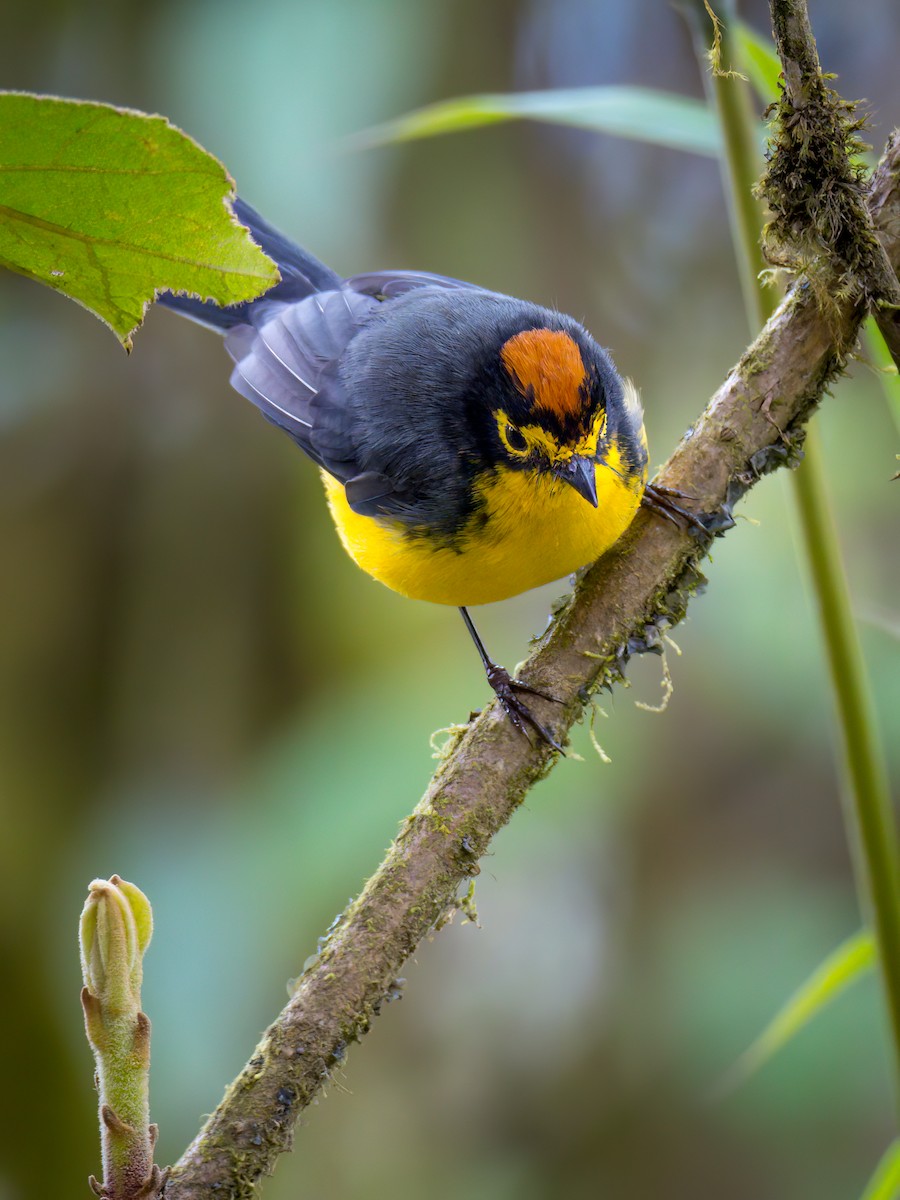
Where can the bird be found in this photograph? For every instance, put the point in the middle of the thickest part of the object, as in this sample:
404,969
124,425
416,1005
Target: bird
472,445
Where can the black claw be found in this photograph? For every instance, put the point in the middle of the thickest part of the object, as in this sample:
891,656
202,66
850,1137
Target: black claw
532,691
661,500
505,688
661,490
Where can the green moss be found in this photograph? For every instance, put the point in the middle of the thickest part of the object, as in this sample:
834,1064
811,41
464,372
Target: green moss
814,187
442,750
467,905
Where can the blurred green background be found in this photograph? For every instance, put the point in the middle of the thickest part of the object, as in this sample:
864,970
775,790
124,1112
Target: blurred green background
199,691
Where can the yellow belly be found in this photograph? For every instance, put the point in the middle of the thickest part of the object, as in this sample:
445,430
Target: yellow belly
537,530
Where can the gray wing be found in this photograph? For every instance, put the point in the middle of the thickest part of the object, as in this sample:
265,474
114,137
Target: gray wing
287,362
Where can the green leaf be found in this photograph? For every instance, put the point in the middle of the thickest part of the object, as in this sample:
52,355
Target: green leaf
885,1183
663,118
111,206
884,366
844,966
758,60
879,618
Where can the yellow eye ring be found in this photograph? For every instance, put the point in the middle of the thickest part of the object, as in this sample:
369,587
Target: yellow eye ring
515,440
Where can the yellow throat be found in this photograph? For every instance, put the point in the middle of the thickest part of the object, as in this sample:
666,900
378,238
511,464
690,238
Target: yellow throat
537,529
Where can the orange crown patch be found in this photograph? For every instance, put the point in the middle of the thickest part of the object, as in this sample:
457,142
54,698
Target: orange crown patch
547,363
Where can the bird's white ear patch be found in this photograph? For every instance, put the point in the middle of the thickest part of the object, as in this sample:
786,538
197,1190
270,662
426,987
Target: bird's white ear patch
632,398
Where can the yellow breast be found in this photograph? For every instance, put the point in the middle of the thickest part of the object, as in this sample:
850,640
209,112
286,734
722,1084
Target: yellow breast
538,529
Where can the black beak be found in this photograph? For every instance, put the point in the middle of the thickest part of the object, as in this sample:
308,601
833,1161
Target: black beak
580,472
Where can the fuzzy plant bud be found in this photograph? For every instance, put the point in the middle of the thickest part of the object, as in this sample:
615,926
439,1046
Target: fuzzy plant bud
116,926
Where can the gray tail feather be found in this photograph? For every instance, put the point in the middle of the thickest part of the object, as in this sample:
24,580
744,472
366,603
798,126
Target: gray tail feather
301,275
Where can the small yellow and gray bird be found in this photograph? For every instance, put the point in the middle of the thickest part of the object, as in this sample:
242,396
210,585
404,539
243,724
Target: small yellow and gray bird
472,446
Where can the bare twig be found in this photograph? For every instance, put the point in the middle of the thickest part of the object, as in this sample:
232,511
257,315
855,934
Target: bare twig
621,606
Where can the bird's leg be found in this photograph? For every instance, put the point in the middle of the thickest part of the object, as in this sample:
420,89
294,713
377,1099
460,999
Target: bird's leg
505,689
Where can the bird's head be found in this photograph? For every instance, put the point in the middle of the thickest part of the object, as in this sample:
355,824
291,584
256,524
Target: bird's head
562,410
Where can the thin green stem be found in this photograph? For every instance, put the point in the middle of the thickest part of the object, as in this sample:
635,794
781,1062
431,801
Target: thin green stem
871,819
732,105
871,828
884,364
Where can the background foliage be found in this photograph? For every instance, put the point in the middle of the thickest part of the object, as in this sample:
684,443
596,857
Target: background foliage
199,691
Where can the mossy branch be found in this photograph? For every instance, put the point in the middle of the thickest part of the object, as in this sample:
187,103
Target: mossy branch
816,191
620,606
815,185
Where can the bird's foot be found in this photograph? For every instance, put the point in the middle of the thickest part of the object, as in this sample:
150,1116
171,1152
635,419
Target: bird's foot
505,689
663,501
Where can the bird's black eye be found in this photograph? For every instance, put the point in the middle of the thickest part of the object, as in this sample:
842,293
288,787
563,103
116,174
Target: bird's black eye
516,440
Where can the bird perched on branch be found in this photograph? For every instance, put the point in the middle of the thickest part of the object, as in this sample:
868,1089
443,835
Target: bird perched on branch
472,445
